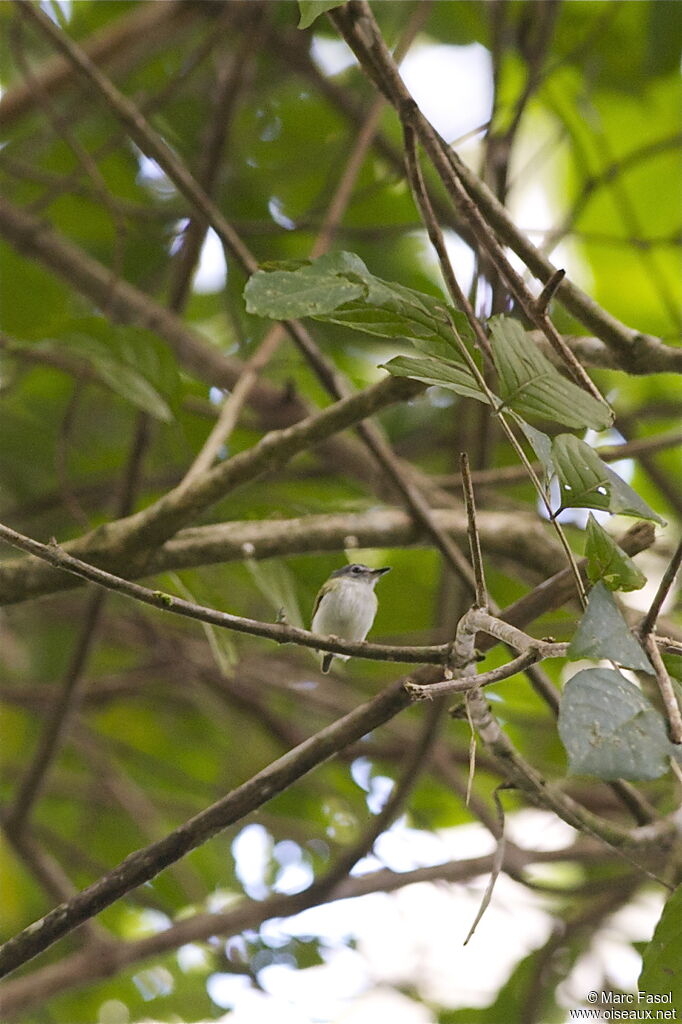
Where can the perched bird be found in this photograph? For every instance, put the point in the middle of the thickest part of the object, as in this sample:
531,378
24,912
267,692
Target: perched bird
346,605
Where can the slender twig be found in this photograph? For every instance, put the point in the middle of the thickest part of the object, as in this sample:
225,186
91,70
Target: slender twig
472,533
495,675
665,686
667,580
279,632
547,294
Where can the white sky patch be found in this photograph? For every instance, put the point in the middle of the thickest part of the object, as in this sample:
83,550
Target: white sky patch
414,936
451,84
211,272
251,850
65,6
331,55
460,255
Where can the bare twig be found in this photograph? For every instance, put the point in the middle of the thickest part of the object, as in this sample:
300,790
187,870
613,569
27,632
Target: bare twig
665,686
667,580
472,533
279,632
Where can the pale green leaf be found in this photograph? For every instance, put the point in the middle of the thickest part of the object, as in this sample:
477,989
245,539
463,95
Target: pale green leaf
437,373
610,729
603,633
587,482
312,9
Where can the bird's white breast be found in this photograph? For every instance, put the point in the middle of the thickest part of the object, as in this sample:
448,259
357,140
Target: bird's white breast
354,607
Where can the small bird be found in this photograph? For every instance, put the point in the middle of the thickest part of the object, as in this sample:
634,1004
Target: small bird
346,605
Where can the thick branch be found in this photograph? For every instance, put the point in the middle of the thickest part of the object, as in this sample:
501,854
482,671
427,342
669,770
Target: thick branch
516,538
146,863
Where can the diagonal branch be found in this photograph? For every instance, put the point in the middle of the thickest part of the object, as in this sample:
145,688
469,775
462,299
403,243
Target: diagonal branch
148,862
358,27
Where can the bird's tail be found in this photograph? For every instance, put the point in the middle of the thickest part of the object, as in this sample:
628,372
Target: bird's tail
326,661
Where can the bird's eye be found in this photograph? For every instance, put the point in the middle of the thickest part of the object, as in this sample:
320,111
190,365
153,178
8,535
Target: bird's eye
357,569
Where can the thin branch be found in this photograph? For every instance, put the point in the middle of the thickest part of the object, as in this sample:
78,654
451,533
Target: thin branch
649,623
472,532
495,675
665,686
279,632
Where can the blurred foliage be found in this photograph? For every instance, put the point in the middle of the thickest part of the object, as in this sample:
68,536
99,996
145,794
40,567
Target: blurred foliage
173,717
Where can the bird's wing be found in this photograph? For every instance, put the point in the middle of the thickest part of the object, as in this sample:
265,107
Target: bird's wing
318,602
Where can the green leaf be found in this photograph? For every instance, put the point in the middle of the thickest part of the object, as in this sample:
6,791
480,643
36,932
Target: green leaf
312,9
587,482
439,373
603,633
129,360
338,288
610,729
662,960
308,291
530,384
607,562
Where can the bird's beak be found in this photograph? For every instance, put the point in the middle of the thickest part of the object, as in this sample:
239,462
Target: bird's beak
380,572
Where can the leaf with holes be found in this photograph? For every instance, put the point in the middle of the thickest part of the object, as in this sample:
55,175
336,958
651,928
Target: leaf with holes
587,482
531,385
610,729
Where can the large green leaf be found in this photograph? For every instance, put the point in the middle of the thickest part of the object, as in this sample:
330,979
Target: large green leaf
587,482
661,974
610,729
339,288
531,385
603,633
